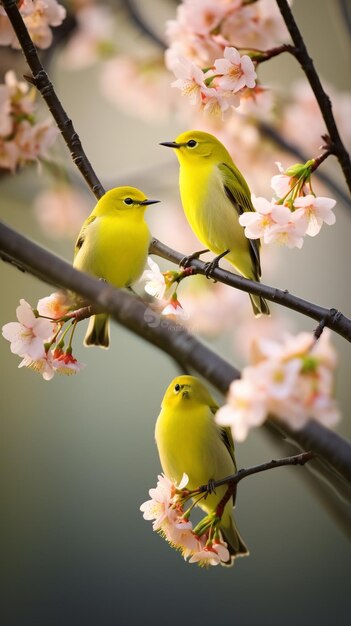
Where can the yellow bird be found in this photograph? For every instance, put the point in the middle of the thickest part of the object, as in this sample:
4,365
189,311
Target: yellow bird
113,245
214,194
189,440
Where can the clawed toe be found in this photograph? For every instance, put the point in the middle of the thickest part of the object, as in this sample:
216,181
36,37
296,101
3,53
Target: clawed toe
186,260
210,268
211,487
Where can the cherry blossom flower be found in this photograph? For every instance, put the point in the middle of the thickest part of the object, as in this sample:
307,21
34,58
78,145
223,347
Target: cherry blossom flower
38,16
175,309
218,103
255,25
190,78
274,223
27,336
34,140
22,139
158,283
289,347
282,183
188,39
236,71
159,507
317,210
54,306
256,222
211,554
203,16
181,536
22,97
65,363
246,408
256,102
289,233
167,513
43,365
16,104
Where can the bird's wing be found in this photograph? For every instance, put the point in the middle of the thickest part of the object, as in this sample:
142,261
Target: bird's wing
82,234
226,435
238,192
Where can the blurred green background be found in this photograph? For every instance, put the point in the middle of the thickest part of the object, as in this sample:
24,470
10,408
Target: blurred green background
79,455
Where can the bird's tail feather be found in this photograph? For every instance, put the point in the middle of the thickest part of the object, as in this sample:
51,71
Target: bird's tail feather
259,305
98,333
235,543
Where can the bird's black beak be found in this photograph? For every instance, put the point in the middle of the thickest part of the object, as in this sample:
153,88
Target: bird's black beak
146,202
170,144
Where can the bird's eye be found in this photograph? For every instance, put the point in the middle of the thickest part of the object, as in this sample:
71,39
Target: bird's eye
177,388
128,201
191,143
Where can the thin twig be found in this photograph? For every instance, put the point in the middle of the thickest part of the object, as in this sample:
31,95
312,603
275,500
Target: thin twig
297,459
301,53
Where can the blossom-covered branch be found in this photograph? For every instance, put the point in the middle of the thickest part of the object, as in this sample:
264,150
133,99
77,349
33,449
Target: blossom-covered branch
301,53
172,339
203,544
259,56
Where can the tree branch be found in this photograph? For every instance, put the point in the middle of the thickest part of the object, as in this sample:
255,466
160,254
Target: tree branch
307,65
331,318
332,451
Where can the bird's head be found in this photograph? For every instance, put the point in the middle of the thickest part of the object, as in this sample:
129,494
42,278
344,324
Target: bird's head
123,199
187,392
195,145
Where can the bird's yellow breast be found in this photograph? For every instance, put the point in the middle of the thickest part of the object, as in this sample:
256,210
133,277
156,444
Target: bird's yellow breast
190,442
115,248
